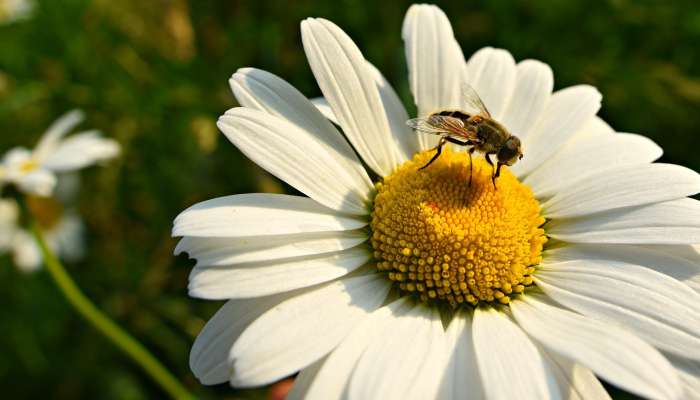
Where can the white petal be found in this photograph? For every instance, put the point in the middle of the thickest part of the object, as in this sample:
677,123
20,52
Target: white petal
491,72
324,108
510,365
614,354
9,216
303,329
656,307
406,140
40,182
462,379
304,380
213,251
59,128
595,127
575,381
567,111
533,88
333,377
209,357
671,222
260,214
406,361
689,374
435,62
69,235
627,186
25,252
275,276
667,262
580,159
79,151
264,91
347,83
297,157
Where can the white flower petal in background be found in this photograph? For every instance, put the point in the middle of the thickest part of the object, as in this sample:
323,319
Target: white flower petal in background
580,159
260,214
510,365
303,329
57,130
347,84
462,379
671,222
630,185
266,92
15,10
656,307
40,182
435,62
81,150
25,253
332,379
275,276
68,237
492,72
297,157
610,352
534,81
410,350
9,217
567,111
33,172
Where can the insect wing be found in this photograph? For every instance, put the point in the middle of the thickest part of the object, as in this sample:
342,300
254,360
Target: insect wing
441,125
473,101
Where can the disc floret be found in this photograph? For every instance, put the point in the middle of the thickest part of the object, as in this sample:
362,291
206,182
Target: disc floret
437,236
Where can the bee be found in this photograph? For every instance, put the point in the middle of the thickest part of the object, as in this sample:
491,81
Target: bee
478,130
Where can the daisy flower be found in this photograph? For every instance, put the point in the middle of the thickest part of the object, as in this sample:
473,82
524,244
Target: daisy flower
14,10
34,171
391,281
61,225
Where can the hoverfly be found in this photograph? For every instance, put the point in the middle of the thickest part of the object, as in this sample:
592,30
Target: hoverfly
477,130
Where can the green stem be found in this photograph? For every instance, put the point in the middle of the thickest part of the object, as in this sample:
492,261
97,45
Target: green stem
104,324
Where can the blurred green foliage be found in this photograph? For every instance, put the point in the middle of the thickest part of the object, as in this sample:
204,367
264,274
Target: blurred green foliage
153,74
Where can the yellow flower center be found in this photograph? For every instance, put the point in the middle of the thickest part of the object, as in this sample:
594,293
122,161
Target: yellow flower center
441,238
28,166
47,211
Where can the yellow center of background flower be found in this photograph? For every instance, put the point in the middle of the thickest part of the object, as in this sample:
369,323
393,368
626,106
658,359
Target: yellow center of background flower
437,236
46,210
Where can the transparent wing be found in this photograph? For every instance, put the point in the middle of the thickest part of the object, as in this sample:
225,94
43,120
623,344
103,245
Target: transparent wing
442,125
472,100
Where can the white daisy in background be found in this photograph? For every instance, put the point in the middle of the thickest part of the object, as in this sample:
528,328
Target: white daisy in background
579,265
61,225
15,10
34,171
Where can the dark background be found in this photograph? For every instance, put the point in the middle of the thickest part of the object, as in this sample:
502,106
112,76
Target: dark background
153,75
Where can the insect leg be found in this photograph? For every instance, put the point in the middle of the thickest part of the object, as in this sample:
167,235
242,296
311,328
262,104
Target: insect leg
437,154
457,141
498,173
493,168
471,164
